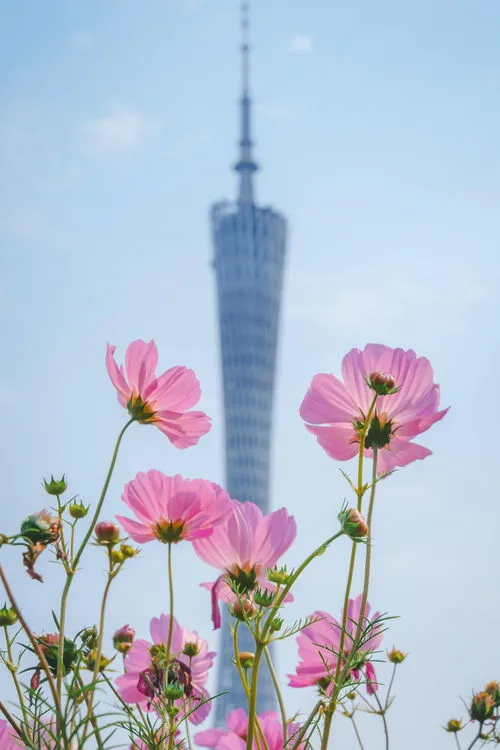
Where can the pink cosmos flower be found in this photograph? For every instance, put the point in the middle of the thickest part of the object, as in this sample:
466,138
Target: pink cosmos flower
243,548
335,411
172,508
320,642
234,737
147,669
164,400
8,738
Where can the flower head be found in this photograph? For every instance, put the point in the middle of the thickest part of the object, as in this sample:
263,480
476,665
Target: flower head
336,411
481,706
164,400
319,645
234,736
172,509
149,669
243,548
123,639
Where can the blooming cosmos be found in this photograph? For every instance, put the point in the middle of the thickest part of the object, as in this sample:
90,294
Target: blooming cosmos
172,509
320,642
164,400
149,669
234,737
243,548
336,411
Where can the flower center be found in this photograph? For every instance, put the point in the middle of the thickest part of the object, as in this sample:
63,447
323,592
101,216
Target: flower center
140,410
169,531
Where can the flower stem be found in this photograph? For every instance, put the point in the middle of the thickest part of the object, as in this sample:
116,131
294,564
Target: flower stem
36,646
381,713
394,667
327,726
477,737
76,560
279,694
356,731
11,720
13,670
305,726
252,708
170,599
102,616
368,558
244,682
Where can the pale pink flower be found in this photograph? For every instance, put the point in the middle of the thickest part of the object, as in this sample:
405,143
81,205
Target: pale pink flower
172,509
164,400
243,548
319,644
335,411
234,737
8,738
147,669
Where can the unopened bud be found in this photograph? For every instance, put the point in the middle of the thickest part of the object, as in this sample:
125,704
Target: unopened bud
55,486
3,539
123,639
7,616
454,725
128,551
493,689
481,707
276,624
107,532
383,383
351,696
278,575
246,659
395,656
78,510
89,637
35,679
117,556
353,524
191,649
243,610
90,661
263,598
173,691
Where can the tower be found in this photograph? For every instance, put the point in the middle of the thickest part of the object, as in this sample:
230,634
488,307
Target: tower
249,254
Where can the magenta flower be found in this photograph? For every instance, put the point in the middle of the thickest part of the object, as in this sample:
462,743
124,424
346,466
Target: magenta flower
8,738
243,548
172,509
319,644
164,400
148,670
234,737
335,411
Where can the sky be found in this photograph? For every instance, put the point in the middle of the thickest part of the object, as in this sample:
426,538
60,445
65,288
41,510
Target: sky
376,127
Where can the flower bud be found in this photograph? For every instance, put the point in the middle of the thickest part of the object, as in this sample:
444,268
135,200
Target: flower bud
117,556
90,661
173,691
493,689
481,707
128,551
276,624
382,383
41,528
244,610
78,510
55,486
246,659
395,656
351,696
7,616
278,575
3,539
191,649
263,598
107,532
89,637
123,638
353,523
454,725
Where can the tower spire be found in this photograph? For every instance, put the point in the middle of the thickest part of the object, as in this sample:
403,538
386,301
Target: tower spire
245,166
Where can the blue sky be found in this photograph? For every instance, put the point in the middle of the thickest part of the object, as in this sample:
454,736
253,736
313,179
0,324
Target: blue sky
377,131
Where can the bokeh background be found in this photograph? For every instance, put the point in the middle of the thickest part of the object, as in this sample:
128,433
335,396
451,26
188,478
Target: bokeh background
377,128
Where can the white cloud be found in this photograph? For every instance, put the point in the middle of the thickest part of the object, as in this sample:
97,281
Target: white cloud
301,44
121,130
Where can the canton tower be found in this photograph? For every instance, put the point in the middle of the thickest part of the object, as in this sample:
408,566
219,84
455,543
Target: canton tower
249,254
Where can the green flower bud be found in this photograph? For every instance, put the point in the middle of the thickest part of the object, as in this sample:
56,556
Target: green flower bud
246,659
481,707
263,598
117,556
276,624
454,725
78,510
55,486
7,616
353,524
90,661
173,691
395,656
191,649
128,551
3,539
278,575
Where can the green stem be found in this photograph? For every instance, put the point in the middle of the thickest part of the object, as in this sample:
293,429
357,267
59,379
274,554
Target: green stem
36,646
386,706
360,491
13,670
293,577
327,726
70,574
356,732
303,730
92,718
381,713
477,737
368,558
170,600
171,733
102,617
279,694
11,720
252,709
244,682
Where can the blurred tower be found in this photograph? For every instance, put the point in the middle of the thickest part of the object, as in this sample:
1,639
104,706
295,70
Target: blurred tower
249,254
